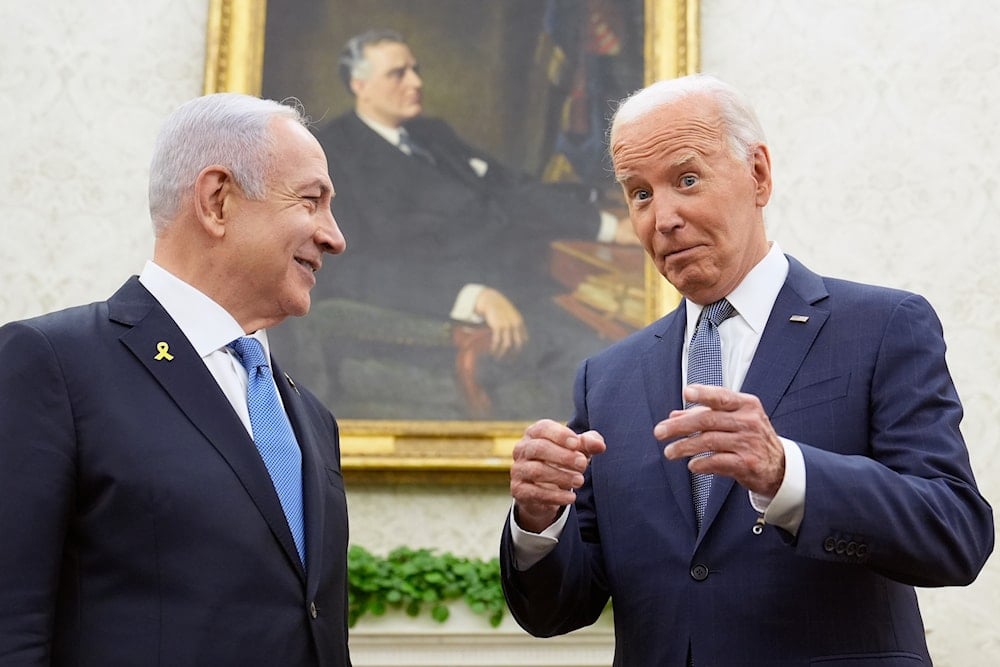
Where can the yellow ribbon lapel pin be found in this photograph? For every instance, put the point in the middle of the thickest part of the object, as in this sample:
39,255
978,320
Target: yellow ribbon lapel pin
163,352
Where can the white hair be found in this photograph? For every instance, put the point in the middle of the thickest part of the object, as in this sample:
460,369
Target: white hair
741,127
226,129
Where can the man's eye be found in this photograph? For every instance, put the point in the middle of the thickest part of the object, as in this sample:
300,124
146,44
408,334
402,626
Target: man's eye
688,180
642,195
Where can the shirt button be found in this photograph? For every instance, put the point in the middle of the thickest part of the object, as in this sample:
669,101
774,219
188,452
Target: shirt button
699,572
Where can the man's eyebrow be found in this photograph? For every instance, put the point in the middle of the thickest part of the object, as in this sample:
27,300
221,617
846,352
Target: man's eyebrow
323,186
681,162
685,160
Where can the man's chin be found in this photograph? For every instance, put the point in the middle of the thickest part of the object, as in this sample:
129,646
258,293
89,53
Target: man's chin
299,307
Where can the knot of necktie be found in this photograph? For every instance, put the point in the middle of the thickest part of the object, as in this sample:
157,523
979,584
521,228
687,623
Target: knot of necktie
717,312
250,353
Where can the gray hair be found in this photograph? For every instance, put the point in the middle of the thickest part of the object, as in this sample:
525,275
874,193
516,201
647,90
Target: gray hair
352,63
227,129
740,124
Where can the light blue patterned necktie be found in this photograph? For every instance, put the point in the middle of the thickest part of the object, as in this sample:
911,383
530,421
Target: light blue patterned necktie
705,367
273,435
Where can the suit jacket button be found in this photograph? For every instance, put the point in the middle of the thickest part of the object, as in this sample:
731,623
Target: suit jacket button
829,544
313,612
699,572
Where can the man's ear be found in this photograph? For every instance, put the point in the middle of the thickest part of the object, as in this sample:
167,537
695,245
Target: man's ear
213,192
357,85
761,167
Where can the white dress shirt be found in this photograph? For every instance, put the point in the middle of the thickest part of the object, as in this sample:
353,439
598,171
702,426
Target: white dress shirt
209,328
739,336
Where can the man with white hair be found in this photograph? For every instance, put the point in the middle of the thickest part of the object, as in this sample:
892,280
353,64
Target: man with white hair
764,475
167,495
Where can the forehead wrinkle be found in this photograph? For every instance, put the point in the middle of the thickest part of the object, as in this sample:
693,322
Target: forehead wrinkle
701,136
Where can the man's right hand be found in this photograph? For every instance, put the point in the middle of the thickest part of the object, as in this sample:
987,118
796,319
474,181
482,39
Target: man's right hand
504,320
549,461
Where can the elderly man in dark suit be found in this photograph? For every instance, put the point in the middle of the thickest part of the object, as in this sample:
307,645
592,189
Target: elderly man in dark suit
443,231
167,495
764,475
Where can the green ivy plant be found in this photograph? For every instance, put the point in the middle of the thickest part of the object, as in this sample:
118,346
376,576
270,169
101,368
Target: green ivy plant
418,579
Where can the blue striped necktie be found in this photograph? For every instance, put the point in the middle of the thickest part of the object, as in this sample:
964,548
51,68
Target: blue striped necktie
273,435
705,367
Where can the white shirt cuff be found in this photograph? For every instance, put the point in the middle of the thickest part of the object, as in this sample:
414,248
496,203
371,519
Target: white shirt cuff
464,309
529,548
787,507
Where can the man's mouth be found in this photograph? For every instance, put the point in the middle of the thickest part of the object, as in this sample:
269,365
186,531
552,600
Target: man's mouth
680,251
675,252
311,266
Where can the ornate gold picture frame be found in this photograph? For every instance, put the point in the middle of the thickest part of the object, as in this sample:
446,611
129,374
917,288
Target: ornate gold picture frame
438,451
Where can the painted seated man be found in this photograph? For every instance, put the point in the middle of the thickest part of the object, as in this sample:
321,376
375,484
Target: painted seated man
443,232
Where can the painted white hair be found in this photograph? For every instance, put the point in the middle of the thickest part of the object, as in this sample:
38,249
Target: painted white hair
226,129
740,124
353,63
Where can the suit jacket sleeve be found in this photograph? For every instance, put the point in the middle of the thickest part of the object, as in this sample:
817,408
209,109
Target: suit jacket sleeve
37,482
568,588
911,497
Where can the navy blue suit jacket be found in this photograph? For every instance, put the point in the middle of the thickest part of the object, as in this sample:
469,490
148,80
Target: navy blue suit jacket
891,502
139,525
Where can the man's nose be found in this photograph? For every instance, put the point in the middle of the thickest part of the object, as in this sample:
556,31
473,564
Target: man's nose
668,215
329,237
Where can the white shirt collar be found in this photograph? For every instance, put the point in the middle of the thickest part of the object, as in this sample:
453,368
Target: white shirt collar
390,134
754,297
207,325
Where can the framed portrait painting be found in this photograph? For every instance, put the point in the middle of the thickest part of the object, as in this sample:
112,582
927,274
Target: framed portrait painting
488,249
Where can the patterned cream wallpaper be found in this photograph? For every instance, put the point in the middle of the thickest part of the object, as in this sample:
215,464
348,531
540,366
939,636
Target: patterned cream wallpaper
83,89
882,119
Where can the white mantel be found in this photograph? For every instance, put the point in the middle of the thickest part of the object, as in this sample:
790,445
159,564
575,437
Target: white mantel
467,640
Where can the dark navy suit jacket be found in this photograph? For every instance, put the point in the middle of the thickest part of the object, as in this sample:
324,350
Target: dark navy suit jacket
139,525
891,502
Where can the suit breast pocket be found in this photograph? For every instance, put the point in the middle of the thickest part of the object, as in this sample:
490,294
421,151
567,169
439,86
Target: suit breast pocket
819,392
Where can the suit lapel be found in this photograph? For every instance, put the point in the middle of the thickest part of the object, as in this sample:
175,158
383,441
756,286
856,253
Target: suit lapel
661,367
188,382
787,338
448,160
